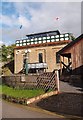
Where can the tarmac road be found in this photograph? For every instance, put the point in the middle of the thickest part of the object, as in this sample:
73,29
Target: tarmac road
11,110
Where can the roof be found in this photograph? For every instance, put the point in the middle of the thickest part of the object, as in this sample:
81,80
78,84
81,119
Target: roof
58,33
70,44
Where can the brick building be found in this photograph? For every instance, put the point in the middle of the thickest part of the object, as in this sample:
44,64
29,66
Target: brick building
74,54
41,51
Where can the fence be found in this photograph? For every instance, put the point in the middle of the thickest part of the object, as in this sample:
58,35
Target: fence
46,81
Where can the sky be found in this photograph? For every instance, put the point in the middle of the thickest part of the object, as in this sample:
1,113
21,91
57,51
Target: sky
37,17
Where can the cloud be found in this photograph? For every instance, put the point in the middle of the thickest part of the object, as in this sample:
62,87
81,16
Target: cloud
69,17
1,43
5,20
8,21
23,21
38,17
42,0
13,21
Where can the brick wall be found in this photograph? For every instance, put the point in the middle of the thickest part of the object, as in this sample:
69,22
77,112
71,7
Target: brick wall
49,56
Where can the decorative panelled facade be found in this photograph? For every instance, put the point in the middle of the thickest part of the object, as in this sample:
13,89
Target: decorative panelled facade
45,39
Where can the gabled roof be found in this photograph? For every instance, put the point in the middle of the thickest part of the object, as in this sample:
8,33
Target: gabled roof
70,44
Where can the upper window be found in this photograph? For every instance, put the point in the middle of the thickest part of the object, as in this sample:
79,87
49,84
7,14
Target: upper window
57,58
40,58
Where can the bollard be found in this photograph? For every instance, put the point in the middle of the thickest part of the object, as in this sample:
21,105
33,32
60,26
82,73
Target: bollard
57,81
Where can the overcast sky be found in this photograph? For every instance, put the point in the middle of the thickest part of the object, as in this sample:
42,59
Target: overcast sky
38,17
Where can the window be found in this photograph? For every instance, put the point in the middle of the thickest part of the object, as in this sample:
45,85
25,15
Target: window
57,58
40,58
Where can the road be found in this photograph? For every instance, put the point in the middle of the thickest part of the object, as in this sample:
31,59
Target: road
11,110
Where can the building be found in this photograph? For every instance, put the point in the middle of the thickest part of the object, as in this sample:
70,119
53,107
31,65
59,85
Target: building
40,51
74,54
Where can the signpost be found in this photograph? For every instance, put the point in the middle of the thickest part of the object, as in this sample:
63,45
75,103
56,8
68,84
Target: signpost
26,60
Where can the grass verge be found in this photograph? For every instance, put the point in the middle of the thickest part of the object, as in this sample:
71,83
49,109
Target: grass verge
21,93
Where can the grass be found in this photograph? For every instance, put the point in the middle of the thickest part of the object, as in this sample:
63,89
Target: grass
20,93
0,89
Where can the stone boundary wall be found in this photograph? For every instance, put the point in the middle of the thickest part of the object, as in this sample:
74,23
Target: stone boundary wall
47,80
20,81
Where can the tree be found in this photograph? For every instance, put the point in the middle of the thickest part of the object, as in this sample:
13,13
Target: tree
4,53
10,51
7,52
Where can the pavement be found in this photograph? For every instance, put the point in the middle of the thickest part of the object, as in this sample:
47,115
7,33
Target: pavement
69,102
12,110
70,88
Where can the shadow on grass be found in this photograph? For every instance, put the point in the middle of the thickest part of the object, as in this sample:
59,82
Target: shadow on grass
64,103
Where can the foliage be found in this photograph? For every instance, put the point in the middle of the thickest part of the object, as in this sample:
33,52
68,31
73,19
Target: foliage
6,71
20,93
7,52
73,38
